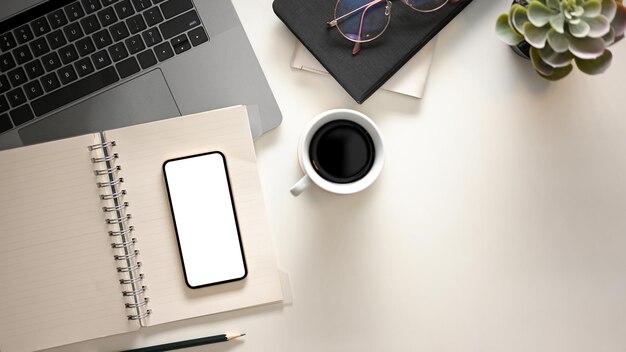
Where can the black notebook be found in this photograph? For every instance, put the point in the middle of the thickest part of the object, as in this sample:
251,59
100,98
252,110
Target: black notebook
361,75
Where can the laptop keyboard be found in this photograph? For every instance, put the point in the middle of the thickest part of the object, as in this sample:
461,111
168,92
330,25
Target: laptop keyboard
61,51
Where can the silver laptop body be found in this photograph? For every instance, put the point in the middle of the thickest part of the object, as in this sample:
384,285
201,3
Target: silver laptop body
219,72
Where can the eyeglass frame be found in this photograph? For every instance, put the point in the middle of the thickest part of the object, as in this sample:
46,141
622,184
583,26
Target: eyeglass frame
357,43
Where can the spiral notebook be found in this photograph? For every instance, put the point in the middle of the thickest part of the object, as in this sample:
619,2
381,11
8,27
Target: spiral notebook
88,244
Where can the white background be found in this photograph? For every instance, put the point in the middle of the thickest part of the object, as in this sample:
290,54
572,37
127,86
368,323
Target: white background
498,223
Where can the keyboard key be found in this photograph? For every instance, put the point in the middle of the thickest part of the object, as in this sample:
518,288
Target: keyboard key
57,19
102,39
74,11
73,31
90,24
4,84
6,62
146,59
68,54
23,34
179,24
22,54
179,39
181,46
22,115
4,104
124,9
164,51
33,89
173,8
50,82
153,16
109,2
75,91
39,47
101,59
56,39
156,2
85,46
7,41
107,17
40,26
128,67
67,74
84,67
198,36
5,122
136,24
135,44
151,37
51,61
17,77
118,52
16,97
34,69
141,5
91,5
119,31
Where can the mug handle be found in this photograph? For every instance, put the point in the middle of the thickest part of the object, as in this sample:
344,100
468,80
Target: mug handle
300,186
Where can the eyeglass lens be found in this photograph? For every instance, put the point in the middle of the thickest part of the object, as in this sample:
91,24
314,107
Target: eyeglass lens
362,20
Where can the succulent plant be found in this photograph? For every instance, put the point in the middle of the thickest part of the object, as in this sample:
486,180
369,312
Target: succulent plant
561,32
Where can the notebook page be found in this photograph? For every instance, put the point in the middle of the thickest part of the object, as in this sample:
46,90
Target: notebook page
58,279
143,149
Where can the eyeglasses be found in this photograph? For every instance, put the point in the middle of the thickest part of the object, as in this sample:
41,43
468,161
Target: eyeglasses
361,21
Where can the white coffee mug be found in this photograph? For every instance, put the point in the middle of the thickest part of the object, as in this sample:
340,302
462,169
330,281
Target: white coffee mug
310,174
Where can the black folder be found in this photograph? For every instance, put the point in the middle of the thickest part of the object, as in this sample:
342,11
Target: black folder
362,74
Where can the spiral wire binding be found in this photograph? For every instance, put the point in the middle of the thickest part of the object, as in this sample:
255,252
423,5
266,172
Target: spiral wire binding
117,217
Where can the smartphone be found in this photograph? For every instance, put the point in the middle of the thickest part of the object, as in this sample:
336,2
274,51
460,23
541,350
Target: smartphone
205,220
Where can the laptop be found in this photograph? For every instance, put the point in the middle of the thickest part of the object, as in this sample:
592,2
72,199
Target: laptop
71,67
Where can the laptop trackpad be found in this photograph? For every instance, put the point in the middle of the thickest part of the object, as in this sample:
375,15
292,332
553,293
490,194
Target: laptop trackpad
143,99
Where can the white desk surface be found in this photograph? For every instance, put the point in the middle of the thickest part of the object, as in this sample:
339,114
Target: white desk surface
498,223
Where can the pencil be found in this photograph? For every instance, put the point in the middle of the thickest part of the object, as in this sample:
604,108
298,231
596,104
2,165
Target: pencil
188,343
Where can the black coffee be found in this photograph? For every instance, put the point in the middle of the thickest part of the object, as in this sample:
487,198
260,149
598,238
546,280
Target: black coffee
342,151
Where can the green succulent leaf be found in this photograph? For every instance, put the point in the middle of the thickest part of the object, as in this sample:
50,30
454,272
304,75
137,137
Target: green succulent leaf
608,9
558,42
505,32
540,66
609,38
536,36
555,59
599,26
595,66
586,48
619,21
574,20
558,73
592,8
554,4
539,14
580,29
518,17
558,23
578,11
567,15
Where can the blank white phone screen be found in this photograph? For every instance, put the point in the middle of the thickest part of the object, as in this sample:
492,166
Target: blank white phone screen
205,220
